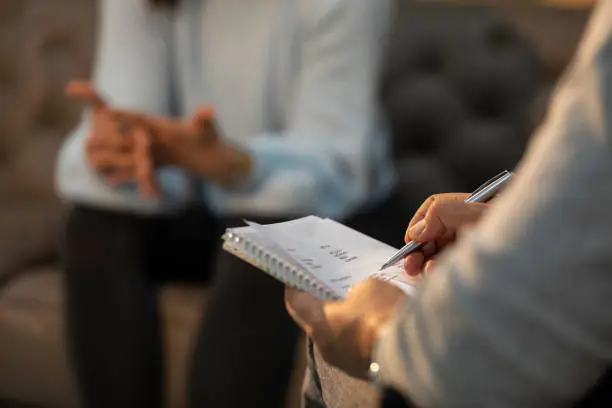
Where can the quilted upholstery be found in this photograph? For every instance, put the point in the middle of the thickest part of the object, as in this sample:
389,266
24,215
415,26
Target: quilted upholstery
458,90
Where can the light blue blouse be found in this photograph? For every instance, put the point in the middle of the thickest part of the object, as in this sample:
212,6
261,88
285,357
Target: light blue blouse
292,81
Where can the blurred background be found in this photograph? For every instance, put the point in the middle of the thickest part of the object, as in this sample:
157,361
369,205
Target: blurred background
464,86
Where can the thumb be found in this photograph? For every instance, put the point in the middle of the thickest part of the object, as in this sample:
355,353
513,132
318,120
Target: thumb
84,91
306,309
203,118
446,215
204,125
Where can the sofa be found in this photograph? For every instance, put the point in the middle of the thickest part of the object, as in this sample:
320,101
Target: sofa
458,90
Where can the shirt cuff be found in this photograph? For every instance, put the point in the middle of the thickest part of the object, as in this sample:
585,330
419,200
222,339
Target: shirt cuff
262,166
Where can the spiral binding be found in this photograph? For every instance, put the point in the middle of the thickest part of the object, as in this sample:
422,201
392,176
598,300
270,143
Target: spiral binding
251,252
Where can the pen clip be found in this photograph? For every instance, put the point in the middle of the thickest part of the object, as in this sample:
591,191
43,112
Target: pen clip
488,183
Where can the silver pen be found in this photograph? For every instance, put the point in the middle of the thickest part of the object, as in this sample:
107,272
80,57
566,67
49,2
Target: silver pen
482,194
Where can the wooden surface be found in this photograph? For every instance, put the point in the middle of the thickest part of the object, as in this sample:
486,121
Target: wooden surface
570,3
565,4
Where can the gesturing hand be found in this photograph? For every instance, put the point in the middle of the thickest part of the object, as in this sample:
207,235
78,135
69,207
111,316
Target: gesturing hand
436,222
194,145
125,145
345,331
119,151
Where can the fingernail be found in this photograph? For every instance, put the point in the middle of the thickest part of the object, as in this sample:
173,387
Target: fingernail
417,229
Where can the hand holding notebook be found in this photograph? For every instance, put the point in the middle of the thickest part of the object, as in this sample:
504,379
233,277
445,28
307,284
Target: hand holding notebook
325,259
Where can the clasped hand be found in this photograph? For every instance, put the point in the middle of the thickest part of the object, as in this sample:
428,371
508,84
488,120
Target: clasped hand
345,331
127,146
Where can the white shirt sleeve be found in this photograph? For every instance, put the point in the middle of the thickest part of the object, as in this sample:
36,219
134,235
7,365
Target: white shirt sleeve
518,313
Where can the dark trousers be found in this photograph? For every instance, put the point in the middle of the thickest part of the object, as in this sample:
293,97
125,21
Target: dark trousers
114,263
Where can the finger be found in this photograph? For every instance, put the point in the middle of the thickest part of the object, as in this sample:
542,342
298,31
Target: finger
160,130
444,212
204,123
413,263
109,160
132,118
429,249
429,265
306,309
109,142
84,91
422,211
202,117
144,163
116,176
417,223
449,215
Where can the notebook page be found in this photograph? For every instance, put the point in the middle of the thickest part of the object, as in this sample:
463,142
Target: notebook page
292,245
336,255
283,251
264,243
253,232
341,241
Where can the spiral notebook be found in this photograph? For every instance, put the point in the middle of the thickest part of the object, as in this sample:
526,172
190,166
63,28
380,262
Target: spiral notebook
317,255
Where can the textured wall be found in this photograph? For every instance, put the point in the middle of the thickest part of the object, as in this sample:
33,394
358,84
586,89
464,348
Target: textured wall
43,44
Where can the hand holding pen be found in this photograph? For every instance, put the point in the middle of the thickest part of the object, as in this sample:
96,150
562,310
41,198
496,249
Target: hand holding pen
437,220
435,224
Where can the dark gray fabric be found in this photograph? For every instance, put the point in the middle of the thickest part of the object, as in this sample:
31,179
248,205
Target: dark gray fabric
458,90
114,263
328,387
